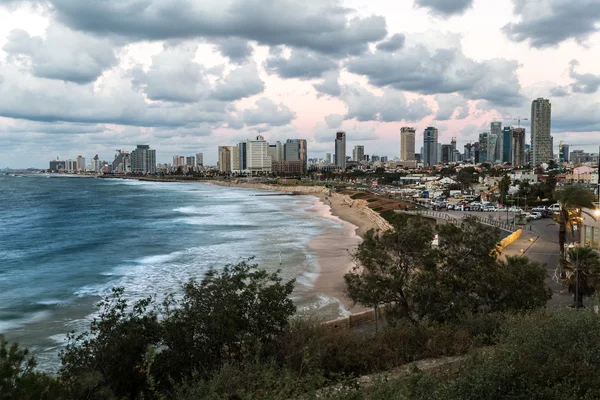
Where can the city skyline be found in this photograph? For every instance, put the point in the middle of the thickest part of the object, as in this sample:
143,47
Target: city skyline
69,86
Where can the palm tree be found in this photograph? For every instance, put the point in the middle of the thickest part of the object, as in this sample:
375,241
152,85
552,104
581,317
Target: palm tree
571,199
582,273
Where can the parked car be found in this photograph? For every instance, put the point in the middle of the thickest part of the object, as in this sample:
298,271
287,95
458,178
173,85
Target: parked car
515,209
534,215
555,208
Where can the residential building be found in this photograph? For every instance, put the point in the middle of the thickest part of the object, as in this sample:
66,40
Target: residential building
235,158
358,153
492,144
507,142
564,153
340,149
178,161
57,165
454,152
80,163
190,162
518,147
327,158
541,140
224,159
407,143
199,159
430,146
121,163
468,152
258,160
296,150
143,160
496,131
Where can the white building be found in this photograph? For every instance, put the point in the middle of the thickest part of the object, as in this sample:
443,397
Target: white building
258,159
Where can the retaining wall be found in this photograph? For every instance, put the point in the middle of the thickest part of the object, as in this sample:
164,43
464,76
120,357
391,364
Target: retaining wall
510,239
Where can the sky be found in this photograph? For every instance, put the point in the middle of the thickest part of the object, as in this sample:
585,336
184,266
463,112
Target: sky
185,76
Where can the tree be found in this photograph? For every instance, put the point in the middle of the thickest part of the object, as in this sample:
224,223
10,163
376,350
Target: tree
571,199
504,186
582,273
227,317
388,263
18,378
113,358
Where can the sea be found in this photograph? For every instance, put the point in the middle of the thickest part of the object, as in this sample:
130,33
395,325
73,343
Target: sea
65,242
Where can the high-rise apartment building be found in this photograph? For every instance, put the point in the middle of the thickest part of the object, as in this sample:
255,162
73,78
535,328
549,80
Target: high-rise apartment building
507,142
190,161
430,146
518,147
143,160
257,156
340,149
407,143
80,163
541,140
327,158
235,158
564,153
454,156
178,161
496,130
224,159
121,163
358,153
484,138
295,150
199,159
492,147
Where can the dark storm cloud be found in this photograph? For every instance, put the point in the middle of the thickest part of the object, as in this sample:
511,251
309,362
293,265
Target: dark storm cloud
322,26
236,49
584,83
545,23
396,42
301,64
441,70
63,54
445,8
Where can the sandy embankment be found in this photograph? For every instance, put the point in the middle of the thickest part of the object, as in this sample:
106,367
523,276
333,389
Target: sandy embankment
334,250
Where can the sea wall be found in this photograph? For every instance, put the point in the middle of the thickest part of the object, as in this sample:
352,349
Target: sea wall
510,239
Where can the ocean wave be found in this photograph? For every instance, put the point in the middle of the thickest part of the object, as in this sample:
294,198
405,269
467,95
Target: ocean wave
30,318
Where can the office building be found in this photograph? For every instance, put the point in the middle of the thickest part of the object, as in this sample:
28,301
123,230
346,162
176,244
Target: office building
258,160
541,140
143,160
327,158
80,163
518,147
199,159
384,159
507,142
224,159
430,146
276,151
468,154
235,158
340,149
358,153
446,153
564,153
453,150
190,162
57,165
407,143
496,131
492,147
484,138
295,150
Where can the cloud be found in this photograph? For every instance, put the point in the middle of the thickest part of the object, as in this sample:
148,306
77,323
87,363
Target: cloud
267,113
63,54
445,8
238,50
319,25
559,91
334,120
330,85
395,42
391,106
584,83
240,83
448,104
434,63
545,23
301,64
173,76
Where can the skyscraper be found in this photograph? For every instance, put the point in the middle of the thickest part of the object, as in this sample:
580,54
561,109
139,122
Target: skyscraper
483,147
507,142
407,144
564,152
80,163
143,160
358,153
496,130
454,155
225,159
296,150
340,149
276,151
328,158
258,159
200,159
541,141
446,153
492,144
430,146
518,147
235,158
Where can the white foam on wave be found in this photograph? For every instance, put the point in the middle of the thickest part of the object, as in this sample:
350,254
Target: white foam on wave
30,318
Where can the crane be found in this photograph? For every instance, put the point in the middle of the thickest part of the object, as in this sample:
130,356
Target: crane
519,119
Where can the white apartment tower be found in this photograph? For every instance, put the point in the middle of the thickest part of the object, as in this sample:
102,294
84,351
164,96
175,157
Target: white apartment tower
407,144
358,153
258,159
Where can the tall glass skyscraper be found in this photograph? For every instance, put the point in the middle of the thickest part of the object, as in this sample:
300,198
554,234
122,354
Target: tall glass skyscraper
507,135
430,146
